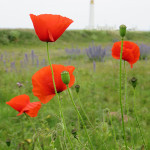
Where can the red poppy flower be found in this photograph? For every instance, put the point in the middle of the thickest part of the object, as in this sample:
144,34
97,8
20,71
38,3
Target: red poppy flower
22,104
50,27
131,52
42,81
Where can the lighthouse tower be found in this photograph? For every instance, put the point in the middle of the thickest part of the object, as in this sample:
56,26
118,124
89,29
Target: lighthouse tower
91,19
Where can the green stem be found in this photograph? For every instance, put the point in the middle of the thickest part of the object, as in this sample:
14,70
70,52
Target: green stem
34,128
61,143
125,80
78,124
64,129
121,107
103,116
132,137
60,108
79,117
84,111
79,120
113,131
136,118
126,104
53,145
22,129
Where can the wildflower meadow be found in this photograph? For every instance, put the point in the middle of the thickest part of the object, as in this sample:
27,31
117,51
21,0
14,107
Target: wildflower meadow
74,89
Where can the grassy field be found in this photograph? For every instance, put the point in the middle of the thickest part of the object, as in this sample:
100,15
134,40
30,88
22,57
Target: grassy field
99,93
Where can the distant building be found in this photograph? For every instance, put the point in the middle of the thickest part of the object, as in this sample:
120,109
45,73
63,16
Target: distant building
106,27
91,17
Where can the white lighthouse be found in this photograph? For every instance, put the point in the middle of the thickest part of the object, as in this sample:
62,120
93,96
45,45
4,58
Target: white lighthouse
91,19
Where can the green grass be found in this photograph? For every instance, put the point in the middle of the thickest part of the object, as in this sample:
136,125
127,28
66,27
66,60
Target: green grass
99,90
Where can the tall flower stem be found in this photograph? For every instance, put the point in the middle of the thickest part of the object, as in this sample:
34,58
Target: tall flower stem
121,106
22,127
79,117
65,143
136,118
84,111
113,129
60,108
34,128
125,86
126,102
61,144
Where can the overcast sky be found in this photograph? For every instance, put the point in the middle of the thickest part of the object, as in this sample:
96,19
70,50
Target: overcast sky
132,13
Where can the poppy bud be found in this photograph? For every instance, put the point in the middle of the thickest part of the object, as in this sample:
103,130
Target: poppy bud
122,30
106,110
133,82
77,87
65,77
28,141
8,142
74,132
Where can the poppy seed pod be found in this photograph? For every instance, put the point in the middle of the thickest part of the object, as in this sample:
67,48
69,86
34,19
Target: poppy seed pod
65,77
74,132
122,30
8,142
77,87
133,82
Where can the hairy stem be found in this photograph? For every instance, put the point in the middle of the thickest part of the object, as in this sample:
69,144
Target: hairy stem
126,104
60,108
34,128
84,111
113,129
121,106
80,117
136,118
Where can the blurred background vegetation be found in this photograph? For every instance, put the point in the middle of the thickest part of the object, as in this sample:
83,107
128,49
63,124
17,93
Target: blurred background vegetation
28,37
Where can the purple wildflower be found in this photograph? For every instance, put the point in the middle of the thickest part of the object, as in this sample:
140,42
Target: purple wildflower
19,84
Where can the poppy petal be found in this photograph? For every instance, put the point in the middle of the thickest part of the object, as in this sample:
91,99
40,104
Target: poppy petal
50,27
71,83
50,36
70,69
131,52
31,109
61,26
42,81
40,27
19,102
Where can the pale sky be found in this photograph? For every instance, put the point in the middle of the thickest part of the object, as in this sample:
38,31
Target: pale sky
132,13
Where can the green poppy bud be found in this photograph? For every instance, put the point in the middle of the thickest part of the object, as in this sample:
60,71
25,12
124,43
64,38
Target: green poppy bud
8,142
106,110
65,77
74,132
77,87
122,30
28,141
133,82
